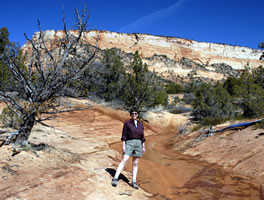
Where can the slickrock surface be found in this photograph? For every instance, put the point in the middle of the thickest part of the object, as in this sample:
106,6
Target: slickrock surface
240,150
83,151
77,163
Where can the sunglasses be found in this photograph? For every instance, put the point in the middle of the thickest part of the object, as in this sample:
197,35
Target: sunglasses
133,113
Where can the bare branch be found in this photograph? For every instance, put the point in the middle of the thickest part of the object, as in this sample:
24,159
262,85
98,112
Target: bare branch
13,109
47,72
19,74
65,26
68,110
43,124
15,105
48,53
47,118
10,137
83,67
36,52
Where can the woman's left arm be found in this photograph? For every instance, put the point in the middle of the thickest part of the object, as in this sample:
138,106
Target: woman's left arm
143,147
143,140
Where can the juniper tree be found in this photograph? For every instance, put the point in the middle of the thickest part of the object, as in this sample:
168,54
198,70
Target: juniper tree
250,93
258,75
143,89
5,75
212,104
113,76
108,83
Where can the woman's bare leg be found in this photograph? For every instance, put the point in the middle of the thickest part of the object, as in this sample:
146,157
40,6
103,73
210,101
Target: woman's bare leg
135,169
121,166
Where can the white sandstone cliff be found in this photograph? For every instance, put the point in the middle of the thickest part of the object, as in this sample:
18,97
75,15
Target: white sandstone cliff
174,48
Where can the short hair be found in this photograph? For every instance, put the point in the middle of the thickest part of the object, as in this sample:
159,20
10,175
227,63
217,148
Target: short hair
133,110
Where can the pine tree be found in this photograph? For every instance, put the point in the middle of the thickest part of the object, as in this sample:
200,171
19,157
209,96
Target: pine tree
143,90
113,76
5,75
250,94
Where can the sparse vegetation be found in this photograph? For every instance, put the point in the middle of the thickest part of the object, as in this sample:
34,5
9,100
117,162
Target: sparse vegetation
196,127
108,77
178,109
261,45
249,95
9,118
132,85
212,104
6,77
174,88
241,96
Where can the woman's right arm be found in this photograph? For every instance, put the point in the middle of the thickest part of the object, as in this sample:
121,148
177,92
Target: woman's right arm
124,146
124,133
124,138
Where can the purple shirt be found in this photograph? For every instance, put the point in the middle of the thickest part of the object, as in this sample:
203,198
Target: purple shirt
130,131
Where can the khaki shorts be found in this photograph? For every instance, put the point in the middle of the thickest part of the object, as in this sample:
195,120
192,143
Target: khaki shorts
134,148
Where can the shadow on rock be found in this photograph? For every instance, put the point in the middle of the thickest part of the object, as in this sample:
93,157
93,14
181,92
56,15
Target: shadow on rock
121,176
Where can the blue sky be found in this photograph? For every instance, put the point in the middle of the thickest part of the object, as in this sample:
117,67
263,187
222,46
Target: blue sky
234,22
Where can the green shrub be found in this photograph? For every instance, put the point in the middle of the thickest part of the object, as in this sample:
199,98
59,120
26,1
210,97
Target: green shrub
5,74
108,77
230,85
196,128
9,118
258,75
180,109
160,97
259,125
212,104
174,88
250,95
212,121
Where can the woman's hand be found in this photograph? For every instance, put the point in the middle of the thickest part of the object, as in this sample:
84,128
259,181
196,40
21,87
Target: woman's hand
143,150
124,150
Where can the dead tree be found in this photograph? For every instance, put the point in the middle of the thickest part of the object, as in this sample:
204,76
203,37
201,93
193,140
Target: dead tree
46,73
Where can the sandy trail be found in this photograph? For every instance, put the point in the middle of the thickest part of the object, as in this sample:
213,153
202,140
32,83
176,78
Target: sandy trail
170,175
76,165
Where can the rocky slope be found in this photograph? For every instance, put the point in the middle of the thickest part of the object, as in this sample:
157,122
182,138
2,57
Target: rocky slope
77,162
238,149
165,55
80,159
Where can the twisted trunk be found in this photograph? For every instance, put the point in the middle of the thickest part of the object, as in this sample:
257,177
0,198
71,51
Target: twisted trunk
25,130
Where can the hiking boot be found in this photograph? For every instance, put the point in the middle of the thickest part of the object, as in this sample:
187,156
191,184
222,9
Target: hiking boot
114,182
134,185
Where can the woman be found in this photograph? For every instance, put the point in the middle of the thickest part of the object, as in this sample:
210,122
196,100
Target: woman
133,145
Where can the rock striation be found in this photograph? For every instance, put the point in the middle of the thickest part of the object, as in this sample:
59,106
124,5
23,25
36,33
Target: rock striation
172,49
